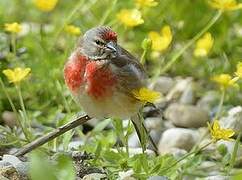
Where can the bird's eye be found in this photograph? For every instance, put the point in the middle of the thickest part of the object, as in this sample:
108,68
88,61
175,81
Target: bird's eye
100,43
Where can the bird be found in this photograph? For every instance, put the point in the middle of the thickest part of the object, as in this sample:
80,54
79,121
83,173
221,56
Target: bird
102,76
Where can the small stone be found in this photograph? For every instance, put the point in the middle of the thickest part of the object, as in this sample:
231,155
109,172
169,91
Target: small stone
9,172
74,145
188,95
9,118
178,89
22,169
133,140
208,101
230,147
3,178
163,84
180,138
11,159
168,125
154,123
4,164
155,127
233,120
177,153
158,178
155,135
217,177
126,175
186,115
208,166
94,176
134,151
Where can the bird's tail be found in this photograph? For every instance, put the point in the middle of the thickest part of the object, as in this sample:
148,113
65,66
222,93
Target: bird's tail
142,132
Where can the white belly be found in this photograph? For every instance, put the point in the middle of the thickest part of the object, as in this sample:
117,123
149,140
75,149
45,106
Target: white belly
117,106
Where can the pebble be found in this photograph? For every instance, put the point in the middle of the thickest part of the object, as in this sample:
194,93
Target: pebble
233,120
188,95
9,119
158,178
155,127
20,167
217,177
4,164
74,145
11,159
177,90
126,175
180,138
94,176
163,84
188,116
10,173
230,147
134,151
208,100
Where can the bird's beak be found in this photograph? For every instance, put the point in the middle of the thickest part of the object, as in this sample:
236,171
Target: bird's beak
111,46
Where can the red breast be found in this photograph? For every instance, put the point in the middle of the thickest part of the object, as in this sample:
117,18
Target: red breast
98,80
74,71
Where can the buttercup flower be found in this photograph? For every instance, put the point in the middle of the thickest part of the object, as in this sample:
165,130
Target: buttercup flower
146,95
45,5
238,72
225,80
146,3
73,30
225,5
13,27
218,133
130,17
17,74
160,42
203,45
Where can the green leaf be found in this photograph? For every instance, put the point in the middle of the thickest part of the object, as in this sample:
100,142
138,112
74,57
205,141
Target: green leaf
67,138
101,125
234,153
64,168
237,176
112,156
144,162
98,150
40,167
222,149
118,125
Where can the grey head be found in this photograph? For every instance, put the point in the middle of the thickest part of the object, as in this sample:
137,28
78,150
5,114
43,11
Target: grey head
99,43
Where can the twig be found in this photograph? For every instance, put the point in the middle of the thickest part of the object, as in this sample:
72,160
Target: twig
52,135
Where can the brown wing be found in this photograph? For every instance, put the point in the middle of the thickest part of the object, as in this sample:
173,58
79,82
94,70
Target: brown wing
130,72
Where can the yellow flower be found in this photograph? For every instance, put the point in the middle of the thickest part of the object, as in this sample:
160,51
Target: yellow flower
45,5
17,74
73,30
130,17
146,95
225,5
238,72
203,45
225,80
160,42
146,3
12,27
218,133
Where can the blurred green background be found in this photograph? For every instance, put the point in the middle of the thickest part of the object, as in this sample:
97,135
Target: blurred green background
46,46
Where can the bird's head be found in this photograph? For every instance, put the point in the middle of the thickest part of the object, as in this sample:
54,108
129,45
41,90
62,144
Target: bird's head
99,43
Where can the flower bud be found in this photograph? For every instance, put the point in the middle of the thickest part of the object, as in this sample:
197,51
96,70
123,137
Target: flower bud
146,44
